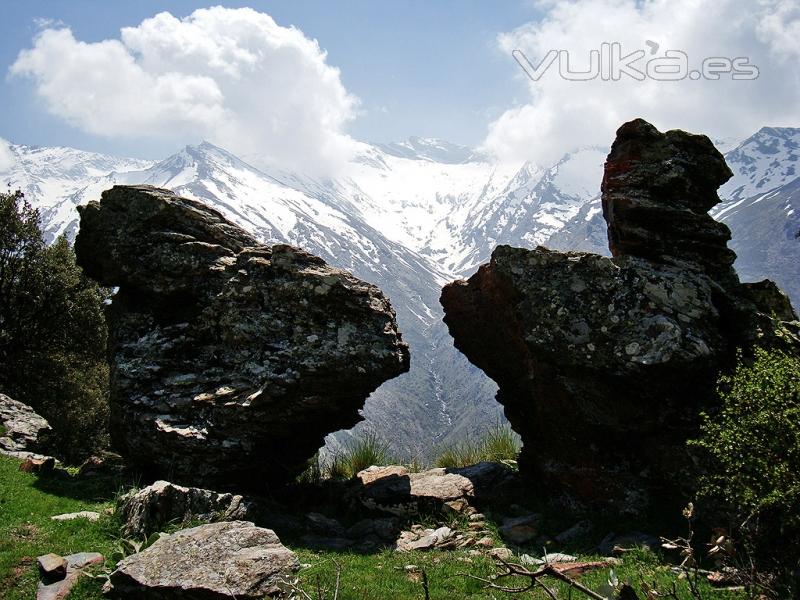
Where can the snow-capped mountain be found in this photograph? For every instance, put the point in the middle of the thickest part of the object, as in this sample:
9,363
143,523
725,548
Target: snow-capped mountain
412,215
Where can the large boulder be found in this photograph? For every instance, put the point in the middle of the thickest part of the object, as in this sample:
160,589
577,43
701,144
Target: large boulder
23,432
604,364
230,360
215,561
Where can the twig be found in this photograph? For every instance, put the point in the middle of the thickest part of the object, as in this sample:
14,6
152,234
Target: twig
338,577
547,570
425,585
548,591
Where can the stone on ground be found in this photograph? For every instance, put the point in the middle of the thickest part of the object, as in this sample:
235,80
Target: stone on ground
218,561
59,587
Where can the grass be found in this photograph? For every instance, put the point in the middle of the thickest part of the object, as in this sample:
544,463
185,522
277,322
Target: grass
385,575
499,444
27,502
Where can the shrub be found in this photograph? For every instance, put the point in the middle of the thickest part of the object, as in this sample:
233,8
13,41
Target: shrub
499,444
750,453
52,333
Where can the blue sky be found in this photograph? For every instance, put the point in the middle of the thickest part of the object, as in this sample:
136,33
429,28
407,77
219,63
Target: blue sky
127,78
419,68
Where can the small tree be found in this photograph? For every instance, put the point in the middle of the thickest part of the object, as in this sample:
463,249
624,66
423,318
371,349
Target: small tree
52,332
750,453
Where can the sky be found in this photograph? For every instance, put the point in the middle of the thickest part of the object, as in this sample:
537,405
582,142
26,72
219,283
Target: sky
299,84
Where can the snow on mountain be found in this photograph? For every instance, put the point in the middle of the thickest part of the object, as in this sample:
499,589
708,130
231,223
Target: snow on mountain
59,179
763,162
410,216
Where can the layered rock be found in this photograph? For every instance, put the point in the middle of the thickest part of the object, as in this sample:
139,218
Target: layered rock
604,364
396,491
230,360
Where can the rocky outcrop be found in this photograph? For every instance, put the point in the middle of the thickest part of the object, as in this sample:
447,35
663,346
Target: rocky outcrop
603,363
214,561
148,510
23,433
231,360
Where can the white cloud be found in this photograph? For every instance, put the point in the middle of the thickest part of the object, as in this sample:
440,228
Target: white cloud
7,159
561,115
232,76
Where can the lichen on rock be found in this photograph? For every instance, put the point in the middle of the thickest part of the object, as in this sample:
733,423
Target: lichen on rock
230,359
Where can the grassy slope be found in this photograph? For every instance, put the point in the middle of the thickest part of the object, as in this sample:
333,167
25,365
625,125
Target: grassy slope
26,531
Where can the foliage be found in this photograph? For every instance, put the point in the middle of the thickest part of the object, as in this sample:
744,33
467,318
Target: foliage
750,451
499,444
52,333
365,450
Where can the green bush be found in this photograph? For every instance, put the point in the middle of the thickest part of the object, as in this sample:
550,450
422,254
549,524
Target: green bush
499,444
52,333
750,456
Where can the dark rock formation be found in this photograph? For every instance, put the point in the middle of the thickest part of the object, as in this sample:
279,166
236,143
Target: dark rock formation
215,561
230,360
604,364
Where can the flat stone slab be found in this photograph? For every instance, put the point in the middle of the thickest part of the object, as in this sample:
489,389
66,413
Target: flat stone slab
220,561
89,515
60,589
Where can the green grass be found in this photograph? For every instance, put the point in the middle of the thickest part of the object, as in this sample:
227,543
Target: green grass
27,502
382,576
499,444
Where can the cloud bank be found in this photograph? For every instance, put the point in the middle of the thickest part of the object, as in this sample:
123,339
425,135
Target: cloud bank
560,115
232,76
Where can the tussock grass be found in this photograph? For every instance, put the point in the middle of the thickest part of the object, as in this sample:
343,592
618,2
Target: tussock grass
363,451
499,444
